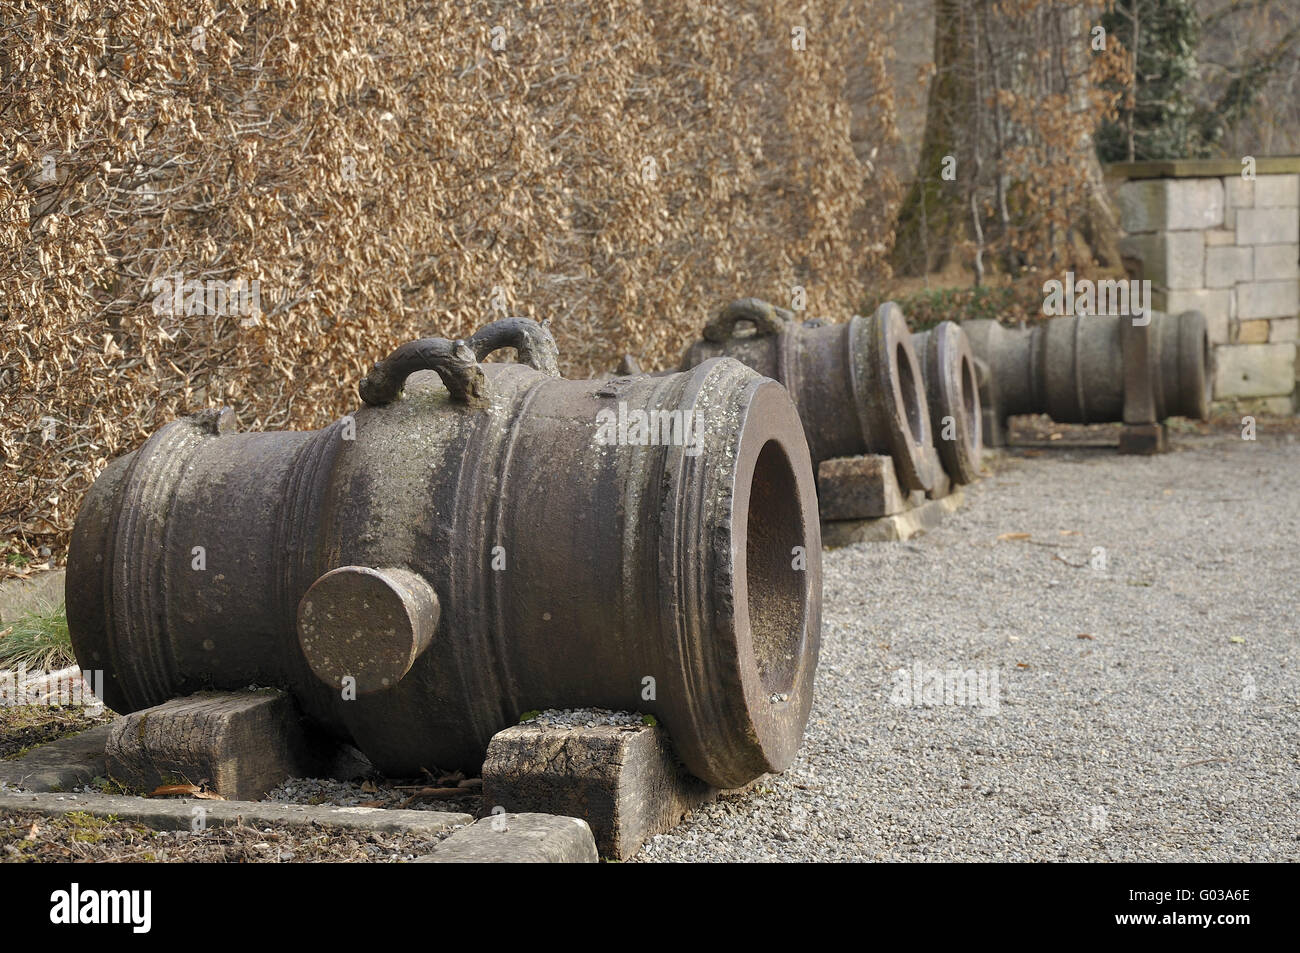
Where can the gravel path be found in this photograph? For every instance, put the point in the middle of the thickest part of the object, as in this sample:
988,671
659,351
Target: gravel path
1171,732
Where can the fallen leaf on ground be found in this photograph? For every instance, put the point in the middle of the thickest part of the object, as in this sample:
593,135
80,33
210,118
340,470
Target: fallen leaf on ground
175,790
185,790
1013,536
1085,635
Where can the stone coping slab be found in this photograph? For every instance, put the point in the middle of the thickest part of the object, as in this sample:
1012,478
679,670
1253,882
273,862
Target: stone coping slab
1200,168
518,839
62,765
172,814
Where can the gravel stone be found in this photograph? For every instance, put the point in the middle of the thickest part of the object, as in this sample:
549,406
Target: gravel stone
1147,708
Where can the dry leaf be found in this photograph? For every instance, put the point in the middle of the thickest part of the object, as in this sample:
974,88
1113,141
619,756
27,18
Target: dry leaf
176,790
1013,536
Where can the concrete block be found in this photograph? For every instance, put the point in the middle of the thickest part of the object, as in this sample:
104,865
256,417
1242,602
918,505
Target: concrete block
1216,237
1141,205
1239,192
180,814
1226,265
942,482
1284,329
1254,370
1154,205
1218,305
1277,191
240,744
1268,226
1268,299
1252,332
1257,407
623,780
518,839
919,519
1277,262
1194,204
62,765
858,488
1146,438
1169,259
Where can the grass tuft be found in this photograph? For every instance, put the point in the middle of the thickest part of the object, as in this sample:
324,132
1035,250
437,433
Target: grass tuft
38,640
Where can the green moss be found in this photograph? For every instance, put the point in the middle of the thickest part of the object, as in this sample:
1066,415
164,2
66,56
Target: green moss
88,829
529,715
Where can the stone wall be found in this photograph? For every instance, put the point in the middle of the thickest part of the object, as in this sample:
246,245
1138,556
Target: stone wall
1210,239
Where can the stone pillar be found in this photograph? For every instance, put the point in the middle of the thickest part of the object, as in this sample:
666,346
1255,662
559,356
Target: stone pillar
1209,239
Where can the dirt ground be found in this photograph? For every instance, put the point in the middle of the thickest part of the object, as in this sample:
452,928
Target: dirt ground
26,726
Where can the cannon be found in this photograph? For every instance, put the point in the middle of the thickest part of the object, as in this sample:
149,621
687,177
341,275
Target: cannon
952,394
858,385
1093,369
476,541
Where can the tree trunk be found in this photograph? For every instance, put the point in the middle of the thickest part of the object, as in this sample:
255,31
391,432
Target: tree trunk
1012,102
931,221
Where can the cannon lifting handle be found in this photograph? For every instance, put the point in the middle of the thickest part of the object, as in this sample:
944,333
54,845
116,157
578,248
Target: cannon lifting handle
532,341
766,318
453,360
456,362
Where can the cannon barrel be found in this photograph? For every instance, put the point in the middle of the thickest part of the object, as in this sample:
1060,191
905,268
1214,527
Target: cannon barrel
857,385
952,393
460,551
1072,368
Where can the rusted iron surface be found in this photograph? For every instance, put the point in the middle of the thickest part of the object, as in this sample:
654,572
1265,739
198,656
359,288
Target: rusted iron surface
952,393
857,385
458,552
1093,369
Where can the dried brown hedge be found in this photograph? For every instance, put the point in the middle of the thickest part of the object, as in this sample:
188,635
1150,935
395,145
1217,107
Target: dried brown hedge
387,171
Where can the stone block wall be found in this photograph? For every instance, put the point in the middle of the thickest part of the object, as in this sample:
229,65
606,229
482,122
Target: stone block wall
1229,246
